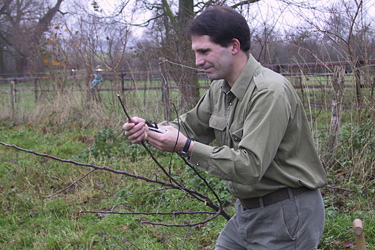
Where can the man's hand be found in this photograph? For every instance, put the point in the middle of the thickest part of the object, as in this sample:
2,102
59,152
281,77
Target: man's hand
135,130
168,140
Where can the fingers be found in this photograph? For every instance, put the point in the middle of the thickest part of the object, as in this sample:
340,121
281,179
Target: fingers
172,140
135,130
136,120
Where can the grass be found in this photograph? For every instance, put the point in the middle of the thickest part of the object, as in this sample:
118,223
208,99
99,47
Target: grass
29,220
82,129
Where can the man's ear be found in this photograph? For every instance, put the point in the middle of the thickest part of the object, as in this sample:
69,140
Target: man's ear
236,46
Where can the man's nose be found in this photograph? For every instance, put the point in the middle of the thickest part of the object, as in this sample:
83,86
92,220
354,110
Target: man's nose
199,61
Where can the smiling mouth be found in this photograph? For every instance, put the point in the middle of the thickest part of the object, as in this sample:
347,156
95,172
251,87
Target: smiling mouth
207,68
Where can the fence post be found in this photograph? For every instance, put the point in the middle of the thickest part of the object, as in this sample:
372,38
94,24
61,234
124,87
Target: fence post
13,97
301,78
359,235
123,82
36,90
357,74
165,94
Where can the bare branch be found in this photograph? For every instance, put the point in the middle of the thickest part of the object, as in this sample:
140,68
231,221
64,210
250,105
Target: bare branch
162,214
193,193
71,185
243,3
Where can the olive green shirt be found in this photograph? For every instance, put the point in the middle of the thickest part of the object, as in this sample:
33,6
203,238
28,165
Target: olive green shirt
263,138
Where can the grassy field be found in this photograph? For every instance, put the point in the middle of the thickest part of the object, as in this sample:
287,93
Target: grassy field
75,127
30,220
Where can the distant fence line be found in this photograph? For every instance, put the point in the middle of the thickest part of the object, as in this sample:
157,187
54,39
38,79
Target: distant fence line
298,83
288,70
144,81
143,88
284,69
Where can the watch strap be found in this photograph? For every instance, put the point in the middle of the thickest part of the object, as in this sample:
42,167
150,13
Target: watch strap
185,150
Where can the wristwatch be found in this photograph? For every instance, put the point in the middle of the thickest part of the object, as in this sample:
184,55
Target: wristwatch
185,150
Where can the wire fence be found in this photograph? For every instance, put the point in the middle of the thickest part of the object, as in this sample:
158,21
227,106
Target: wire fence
312,81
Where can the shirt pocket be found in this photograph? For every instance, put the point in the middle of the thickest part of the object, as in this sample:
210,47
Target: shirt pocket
219,124
236,133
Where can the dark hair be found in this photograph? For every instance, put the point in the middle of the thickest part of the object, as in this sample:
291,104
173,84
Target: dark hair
221,24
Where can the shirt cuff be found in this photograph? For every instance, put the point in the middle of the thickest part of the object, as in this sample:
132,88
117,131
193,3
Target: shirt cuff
200,155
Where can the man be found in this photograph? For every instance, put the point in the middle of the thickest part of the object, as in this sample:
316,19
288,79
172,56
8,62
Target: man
264,146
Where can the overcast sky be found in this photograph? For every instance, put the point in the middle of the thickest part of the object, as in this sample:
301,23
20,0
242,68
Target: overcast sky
273,12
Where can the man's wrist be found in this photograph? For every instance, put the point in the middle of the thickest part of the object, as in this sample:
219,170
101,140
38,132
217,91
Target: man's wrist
185,149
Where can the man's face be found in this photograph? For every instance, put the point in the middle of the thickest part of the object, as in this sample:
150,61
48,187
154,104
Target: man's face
215,60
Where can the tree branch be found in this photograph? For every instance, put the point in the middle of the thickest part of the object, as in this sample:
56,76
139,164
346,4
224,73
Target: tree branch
193,193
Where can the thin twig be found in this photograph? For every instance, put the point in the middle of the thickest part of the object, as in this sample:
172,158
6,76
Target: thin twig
181,65
196,195
72,184
146,213
182,225
161,198
176,185
208,201
102,168
182,199
185,238
222,211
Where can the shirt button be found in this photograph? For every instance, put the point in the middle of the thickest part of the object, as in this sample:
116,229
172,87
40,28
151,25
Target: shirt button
230,104
236,138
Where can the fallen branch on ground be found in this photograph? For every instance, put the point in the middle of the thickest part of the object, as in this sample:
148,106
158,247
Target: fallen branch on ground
200,197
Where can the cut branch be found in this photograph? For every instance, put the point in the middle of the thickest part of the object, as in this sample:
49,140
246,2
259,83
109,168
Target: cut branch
219,210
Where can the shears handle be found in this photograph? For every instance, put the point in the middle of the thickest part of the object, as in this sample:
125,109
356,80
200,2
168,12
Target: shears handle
159,130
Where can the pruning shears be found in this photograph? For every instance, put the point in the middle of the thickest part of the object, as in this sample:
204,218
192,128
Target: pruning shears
154,127
151,125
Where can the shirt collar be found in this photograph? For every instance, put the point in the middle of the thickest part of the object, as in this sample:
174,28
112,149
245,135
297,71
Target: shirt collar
243,82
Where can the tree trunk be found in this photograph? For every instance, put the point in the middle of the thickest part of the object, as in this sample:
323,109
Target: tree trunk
187,79
44,22
2,62
338,94
190,86
23,52
21,62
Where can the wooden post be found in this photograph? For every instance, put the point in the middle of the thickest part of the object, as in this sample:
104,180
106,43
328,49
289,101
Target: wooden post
357,74
165,94
300,81
13,97
359,235
36,90
123,82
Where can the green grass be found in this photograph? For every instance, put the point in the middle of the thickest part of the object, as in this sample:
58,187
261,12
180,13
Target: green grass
29,220
71,126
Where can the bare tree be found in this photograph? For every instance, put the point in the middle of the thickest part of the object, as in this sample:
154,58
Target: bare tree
168,21
23,25
345,27
4,9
